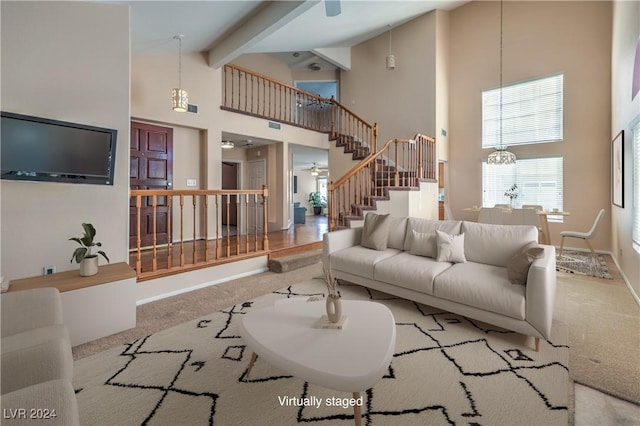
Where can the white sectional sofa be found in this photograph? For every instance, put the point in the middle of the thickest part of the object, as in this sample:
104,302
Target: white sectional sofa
479,287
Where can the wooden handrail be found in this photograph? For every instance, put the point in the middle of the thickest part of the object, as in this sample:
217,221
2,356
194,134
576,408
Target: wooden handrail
288,86
399,163
255,94
347,110
216,245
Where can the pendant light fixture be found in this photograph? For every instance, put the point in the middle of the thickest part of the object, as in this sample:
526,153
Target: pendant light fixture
501,155
179,96
391,58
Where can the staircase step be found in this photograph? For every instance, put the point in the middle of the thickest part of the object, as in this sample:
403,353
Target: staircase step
295,261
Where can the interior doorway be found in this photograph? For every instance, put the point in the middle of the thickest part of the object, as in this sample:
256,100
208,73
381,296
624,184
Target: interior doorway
230,181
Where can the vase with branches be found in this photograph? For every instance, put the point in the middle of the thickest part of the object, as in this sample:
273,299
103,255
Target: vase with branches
333,304
512,194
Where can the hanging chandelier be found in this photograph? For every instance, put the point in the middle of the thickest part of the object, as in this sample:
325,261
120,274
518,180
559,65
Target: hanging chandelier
179,96
501,156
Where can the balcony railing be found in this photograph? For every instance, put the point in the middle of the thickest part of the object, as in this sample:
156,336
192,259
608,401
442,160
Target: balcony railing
174,231
251,93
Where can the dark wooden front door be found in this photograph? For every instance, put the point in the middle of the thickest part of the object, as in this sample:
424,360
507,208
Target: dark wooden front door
151,167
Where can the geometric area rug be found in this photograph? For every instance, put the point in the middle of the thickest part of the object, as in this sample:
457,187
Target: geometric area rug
446,369
583,263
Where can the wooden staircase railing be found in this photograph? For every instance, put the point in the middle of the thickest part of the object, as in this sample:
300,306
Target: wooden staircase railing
251,93
184,229
400,163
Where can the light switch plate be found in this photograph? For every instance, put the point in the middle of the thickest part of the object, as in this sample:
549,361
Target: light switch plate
192,182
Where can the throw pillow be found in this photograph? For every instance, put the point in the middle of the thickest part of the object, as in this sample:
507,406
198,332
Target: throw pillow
519,264
375,233
450,247
423,244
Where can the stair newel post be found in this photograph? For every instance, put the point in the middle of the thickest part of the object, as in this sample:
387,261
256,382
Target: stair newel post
265,238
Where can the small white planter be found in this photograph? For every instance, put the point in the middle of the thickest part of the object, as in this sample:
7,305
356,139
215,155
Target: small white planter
89,266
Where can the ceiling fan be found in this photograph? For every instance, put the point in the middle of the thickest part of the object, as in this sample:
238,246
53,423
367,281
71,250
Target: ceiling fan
332,7
315,170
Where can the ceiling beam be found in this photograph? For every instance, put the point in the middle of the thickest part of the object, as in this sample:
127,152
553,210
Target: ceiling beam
269,19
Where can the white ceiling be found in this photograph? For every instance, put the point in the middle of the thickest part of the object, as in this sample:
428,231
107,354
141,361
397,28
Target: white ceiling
206,24
229,28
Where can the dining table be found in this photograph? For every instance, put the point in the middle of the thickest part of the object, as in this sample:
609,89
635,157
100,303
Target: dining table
545,237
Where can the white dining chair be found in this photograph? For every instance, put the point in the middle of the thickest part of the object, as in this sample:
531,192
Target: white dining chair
525,217
586,236
536,207
502,206
494,215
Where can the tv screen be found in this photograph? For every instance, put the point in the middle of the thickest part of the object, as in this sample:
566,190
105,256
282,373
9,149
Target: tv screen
41,149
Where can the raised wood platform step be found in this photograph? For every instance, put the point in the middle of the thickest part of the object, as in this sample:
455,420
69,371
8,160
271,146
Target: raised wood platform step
295,261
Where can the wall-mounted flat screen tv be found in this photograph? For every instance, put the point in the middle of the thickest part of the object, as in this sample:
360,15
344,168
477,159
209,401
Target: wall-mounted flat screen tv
41,149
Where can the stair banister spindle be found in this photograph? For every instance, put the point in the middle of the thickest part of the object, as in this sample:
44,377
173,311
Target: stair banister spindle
181,230
169,238
194,201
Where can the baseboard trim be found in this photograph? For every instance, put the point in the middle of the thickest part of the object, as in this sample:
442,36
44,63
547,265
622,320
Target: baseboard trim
624,278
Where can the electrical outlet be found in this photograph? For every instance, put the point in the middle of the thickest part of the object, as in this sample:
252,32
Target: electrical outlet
48,270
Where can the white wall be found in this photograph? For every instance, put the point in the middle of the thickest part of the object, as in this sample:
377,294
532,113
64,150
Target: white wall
67,61
625,111
402,101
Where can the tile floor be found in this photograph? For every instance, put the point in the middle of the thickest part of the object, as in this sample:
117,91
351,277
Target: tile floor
593,408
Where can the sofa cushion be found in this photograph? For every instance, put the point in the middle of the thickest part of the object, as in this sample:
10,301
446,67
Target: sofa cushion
409,271
450,247
358,260
375,232
429,227
482,286
519,264
495,244
397,231
423,244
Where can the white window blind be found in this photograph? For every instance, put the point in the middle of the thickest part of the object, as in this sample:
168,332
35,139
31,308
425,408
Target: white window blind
539,182
532,112
636,186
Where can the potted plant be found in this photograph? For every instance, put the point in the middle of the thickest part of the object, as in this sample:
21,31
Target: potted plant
318,201
88,261
512,194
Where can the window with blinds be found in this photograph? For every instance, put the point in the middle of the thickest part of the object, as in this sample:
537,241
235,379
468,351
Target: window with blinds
539,182
636,186
532,112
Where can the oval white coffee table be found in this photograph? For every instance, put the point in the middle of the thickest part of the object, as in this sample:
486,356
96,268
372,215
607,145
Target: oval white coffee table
352,359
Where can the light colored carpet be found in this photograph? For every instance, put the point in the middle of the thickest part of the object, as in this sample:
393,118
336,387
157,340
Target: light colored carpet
604,334
603,320
165,313
446,370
